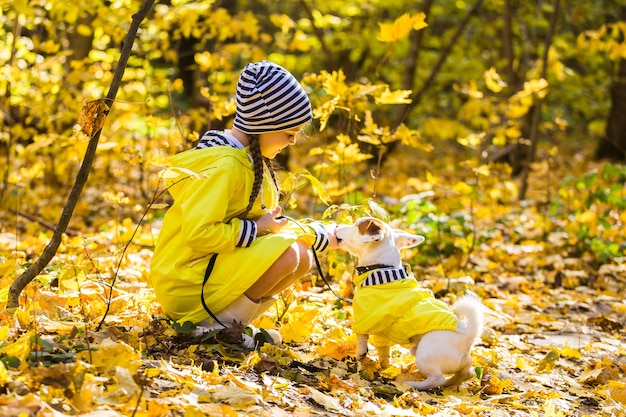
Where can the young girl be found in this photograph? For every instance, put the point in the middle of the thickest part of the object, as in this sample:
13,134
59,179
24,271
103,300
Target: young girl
224,251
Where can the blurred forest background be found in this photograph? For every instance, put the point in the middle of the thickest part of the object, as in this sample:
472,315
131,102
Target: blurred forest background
495,128
474,84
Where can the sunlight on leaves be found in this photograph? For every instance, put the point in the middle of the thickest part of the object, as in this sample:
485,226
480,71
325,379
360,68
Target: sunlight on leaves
111,354
394,97
401,27
493,80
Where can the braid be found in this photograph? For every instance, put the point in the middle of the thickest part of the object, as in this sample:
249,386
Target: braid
270,167
257,165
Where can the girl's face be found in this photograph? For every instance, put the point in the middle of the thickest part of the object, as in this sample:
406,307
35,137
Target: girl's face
273,143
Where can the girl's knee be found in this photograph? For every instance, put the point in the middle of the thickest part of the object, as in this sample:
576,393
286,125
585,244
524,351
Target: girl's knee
298,257
306,258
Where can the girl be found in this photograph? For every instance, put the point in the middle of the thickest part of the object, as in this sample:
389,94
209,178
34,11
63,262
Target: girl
224,251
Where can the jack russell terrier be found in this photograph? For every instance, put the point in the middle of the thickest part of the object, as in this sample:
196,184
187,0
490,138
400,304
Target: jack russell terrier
390,306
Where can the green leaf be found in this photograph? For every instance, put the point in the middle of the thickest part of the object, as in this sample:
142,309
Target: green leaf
10,362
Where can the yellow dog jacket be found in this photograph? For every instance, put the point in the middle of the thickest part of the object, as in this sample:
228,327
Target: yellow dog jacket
389,304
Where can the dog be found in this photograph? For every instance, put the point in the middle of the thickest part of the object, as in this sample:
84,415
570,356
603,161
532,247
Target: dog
390,306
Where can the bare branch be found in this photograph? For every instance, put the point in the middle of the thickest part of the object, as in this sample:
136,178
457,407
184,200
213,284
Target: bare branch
81,178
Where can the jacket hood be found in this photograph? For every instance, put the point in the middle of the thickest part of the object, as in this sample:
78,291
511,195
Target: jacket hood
198,163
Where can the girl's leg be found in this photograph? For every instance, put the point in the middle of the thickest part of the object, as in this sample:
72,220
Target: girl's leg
293,264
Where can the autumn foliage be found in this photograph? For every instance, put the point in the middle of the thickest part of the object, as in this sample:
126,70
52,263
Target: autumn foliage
423,117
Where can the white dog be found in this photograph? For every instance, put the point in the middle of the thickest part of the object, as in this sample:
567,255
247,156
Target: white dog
389,305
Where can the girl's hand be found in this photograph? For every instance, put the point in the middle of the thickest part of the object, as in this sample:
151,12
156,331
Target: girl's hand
270,223
332,237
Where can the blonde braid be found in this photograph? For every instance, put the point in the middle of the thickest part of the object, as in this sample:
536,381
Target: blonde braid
257,165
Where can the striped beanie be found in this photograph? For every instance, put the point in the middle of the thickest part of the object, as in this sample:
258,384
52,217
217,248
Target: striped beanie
270,99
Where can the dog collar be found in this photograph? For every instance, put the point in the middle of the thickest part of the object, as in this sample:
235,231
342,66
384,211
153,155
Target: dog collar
363,269
385,275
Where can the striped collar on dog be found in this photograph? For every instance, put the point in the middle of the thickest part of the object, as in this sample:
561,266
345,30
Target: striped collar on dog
363,269
385,275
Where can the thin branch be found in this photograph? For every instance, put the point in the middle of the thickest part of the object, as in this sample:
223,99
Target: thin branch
412,59
81,178
415,99
42,222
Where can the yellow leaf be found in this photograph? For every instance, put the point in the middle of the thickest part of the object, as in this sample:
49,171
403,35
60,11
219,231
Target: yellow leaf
588,218
23,318
283,21
483,170
617,390
204,59
300,325
569,352
393,32
463,188
497,386
590,375
394,97
522,364
419,21
440,284
515,111
550,410
338,349
513,132
472,141
334,83
493,80
20,348
84,30
4,375
537,86
549,361
111,354
90,388
391,372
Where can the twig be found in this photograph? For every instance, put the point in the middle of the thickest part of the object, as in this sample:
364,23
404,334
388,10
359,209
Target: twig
42,222
50,250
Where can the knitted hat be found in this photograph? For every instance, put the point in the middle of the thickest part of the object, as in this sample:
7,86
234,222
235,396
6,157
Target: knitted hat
270,99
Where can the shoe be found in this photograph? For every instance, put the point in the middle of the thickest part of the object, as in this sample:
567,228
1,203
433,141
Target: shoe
242,312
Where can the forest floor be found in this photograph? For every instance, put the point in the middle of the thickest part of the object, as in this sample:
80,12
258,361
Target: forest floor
553,343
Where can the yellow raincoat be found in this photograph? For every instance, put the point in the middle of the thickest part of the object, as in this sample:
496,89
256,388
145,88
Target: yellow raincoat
395,311
203,221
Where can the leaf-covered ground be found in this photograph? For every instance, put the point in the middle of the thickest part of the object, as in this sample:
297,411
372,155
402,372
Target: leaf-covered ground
553,343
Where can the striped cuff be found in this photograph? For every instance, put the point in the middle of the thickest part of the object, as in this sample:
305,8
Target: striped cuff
247,233
321,236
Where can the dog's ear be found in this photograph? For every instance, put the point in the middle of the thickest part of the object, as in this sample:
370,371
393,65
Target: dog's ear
407,240
371,230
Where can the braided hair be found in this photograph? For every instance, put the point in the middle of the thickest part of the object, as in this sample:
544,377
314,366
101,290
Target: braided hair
257,165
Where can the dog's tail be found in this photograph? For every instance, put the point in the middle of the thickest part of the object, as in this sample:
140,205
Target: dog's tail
469,311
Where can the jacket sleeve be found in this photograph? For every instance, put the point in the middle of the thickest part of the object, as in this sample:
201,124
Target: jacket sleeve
321,236
207,206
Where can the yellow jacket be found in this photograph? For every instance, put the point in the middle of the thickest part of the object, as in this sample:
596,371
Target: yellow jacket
211,187
389,304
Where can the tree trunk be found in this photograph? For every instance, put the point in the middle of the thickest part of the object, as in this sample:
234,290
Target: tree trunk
507,46
613,144
535,112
